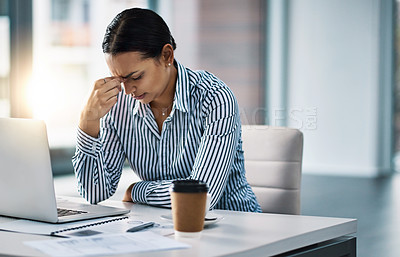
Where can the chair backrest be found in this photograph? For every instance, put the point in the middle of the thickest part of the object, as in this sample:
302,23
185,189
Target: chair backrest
273,162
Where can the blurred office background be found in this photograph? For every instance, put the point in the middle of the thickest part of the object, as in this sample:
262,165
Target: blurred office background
326,67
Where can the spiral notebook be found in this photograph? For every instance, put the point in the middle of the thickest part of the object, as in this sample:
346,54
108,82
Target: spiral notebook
119,225
110,225
41,228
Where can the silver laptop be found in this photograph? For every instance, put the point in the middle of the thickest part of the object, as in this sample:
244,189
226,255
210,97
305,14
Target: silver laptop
26,178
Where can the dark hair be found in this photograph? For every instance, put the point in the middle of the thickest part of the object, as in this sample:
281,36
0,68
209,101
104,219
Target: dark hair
137,30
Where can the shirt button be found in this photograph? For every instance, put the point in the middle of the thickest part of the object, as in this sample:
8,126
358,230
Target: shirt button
94,146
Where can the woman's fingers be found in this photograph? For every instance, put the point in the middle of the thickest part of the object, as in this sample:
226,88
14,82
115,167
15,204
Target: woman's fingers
109,84
103,96
107,90
110,91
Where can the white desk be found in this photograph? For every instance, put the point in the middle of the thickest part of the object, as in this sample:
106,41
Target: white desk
240,234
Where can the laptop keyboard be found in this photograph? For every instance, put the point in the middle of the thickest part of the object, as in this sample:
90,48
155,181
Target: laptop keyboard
66,212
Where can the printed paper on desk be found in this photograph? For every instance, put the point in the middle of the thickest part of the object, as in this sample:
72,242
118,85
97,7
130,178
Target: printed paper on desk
107,244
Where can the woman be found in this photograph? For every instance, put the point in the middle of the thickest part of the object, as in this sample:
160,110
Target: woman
169,122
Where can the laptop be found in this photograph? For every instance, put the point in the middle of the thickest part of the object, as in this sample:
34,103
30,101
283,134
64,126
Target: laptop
26,178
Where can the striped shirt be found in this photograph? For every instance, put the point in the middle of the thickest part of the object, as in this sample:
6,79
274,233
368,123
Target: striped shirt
200,139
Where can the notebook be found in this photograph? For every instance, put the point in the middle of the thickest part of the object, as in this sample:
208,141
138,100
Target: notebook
109,225
26,178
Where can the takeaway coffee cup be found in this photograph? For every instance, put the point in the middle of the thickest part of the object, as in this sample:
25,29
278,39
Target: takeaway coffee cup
188,202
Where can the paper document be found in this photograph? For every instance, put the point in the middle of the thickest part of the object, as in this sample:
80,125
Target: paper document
107,244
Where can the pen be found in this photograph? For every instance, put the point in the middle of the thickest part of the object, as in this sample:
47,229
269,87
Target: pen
141,227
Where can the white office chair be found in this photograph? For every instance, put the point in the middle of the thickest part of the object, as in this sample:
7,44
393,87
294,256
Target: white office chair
273,161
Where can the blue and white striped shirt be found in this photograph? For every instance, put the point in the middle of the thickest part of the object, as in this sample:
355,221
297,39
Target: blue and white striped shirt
200,139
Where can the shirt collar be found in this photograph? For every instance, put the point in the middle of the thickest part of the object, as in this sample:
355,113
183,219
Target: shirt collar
181,98
139,109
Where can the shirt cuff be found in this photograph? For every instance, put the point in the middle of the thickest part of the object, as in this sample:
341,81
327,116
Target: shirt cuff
88,144
139,191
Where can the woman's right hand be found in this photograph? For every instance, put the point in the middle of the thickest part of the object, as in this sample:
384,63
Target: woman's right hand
103,97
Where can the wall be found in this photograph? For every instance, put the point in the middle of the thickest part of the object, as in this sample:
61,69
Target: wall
226,38
339,84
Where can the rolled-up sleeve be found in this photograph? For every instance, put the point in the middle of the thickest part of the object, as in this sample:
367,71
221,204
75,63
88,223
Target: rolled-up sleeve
152,192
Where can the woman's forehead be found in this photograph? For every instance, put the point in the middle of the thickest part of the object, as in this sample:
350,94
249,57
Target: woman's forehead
124,64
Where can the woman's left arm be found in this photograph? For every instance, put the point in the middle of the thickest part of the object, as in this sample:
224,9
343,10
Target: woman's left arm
219,142
215,155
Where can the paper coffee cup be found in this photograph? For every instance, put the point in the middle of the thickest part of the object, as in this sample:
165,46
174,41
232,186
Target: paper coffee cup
188,203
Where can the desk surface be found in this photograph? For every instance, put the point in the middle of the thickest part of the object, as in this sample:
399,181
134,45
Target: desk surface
237,233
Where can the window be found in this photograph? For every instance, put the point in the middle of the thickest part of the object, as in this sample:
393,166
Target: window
4,64
67,59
